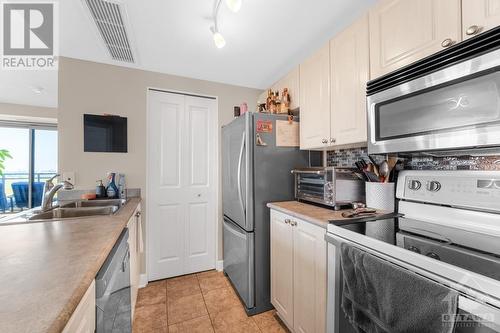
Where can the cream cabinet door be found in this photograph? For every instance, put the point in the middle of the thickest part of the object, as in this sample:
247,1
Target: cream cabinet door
83,319
479,16
315,100
282,266
349,62
403,31
309,278
290,81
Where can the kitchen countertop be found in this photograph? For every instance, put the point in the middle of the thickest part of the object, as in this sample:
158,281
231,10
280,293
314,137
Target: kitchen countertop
311,213
46,267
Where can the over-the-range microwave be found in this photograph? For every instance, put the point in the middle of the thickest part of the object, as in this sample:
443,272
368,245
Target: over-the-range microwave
447,101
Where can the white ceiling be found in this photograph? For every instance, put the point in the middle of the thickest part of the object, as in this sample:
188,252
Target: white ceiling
265,39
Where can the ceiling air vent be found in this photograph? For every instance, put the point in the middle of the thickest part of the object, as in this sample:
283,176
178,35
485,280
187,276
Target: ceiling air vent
111,25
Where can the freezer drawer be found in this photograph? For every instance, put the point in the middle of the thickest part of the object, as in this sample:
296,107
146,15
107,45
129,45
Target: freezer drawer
239,261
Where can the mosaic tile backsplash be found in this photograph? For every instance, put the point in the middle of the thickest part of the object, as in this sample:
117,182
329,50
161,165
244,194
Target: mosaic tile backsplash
347,157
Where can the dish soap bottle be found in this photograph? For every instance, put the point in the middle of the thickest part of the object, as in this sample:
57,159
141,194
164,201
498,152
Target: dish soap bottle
111,190
100,191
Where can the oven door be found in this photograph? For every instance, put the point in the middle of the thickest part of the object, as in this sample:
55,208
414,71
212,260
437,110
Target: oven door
455,108
472,317
312,186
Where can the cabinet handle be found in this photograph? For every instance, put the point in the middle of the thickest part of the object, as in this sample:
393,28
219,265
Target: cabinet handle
293,223
138,214
287,221
472,30
324,141
447,42
333,140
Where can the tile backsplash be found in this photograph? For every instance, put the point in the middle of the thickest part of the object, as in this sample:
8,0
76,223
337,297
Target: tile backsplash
347,157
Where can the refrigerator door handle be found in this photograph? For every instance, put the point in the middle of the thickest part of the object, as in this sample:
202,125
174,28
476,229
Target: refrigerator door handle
240,163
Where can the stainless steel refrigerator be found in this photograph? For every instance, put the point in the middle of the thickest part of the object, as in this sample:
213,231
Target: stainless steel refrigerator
255,171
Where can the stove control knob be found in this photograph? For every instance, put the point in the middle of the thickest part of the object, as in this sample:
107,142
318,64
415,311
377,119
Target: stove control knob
433,186
414,249
414,185
433,256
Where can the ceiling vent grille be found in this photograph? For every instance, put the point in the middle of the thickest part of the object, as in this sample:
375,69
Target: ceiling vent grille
111,25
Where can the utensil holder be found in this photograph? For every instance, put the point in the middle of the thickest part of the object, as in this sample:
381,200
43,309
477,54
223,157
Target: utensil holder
381,196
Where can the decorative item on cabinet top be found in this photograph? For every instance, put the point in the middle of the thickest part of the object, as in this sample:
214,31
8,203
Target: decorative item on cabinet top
276,102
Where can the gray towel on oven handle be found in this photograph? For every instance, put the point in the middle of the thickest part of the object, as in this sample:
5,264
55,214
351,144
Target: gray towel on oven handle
379,296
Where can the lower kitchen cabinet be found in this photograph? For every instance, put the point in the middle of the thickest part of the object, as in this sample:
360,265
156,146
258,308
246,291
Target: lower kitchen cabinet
83,318
298,273
134,240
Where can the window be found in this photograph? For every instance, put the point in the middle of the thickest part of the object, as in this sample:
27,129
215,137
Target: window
33,149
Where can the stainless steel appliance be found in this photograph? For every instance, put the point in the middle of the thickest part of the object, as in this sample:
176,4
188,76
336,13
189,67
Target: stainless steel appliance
450,100
113,303
449,233
330,186
255,171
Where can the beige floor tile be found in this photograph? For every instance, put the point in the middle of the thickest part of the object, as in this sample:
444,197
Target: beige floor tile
219,300
274,328
196,325
154,293
182,286
265,319
151,319
185,308
208,273
234,320
212,280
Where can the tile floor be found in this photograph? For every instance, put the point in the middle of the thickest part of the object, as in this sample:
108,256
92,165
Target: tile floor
203,302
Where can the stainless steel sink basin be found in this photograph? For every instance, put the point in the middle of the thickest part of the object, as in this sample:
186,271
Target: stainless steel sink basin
95,203
63,212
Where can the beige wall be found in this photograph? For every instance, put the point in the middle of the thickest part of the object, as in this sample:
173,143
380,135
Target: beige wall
13,111
87,87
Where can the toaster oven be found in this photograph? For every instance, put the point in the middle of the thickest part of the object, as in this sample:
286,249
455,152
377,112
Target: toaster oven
329,186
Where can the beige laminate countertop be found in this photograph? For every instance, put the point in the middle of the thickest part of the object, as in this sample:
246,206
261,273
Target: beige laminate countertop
310,213
46,267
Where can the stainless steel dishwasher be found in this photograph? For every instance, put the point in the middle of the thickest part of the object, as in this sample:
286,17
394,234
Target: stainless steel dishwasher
113,307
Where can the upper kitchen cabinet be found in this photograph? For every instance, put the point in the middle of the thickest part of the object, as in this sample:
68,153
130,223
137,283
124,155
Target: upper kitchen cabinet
290,81
403,31
315,100
350,59
479,16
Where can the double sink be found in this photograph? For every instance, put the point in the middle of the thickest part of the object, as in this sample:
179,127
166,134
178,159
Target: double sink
81,209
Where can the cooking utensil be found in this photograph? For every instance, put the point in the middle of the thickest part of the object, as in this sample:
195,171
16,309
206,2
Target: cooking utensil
359,212
392,161
371,176
384,170
375,165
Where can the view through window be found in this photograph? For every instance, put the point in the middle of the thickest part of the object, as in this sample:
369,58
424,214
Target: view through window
33,152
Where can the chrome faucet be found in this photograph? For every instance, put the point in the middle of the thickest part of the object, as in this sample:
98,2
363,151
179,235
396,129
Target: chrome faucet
50,190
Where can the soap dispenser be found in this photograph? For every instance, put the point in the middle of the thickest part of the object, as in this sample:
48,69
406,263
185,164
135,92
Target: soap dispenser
100,191
112,190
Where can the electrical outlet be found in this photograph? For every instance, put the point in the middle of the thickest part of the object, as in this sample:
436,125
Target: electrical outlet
69,176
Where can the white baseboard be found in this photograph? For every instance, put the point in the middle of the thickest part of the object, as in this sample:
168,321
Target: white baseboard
219,265
143,280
